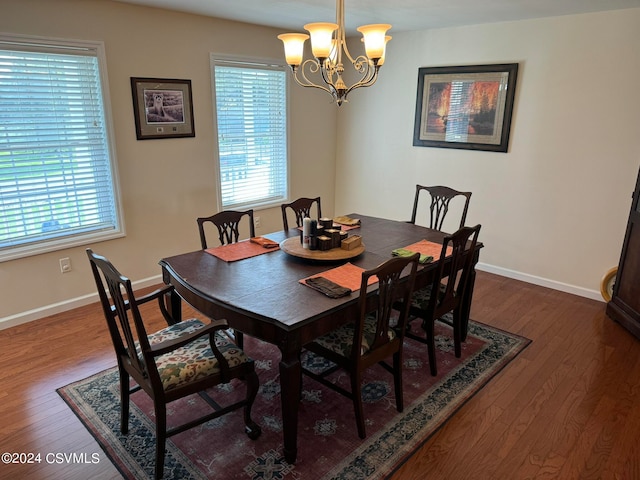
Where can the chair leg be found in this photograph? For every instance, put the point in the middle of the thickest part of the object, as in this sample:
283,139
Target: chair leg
429,328
238,338
397,378
252,429
356,392
161,437
124,401
457,333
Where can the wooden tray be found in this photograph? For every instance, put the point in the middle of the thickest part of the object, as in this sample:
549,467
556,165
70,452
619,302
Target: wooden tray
293,247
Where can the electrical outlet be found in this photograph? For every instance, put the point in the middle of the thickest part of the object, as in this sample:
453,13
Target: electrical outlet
65,265
256,222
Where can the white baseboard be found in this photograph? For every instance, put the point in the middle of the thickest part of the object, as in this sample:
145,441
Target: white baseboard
37,313
28,316
543,282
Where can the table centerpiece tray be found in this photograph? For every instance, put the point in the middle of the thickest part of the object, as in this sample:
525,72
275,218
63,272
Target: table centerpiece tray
293,247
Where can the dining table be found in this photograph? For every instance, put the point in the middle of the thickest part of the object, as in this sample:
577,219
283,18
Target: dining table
263,296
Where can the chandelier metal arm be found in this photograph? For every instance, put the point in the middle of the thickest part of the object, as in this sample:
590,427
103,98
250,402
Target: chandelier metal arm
301,78
365,81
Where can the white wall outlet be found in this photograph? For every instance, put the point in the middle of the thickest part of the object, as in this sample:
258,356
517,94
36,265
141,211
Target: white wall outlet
65,264
256,222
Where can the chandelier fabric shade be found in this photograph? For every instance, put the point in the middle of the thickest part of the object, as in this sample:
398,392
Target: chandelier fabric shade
329,46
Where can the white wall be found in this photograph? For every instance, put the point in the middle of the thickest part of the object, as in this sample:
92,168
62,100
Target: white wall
554,208
166,184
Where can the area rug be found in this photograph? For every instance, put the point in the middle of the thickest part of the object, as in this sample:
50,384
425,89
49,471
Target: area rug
328,443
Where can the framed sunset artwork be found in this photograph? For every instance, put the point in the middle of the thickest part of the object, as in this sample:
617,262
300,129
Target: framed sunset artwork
467,107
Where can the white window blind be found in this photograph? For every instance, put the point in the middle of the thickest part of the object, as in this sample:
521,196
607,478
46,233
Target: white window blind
56,172
251,117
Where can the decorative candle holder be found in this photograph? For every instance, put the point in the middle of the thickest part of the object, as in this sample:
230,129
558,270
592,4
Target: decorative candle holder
326,222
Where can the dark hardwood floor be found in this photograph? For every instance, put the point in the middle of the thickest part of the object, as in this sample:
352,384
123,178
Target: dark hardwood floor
568,407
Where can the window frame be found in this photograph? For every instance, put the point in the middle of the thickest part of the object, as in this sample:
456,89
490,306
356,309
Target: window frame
61,242
268,64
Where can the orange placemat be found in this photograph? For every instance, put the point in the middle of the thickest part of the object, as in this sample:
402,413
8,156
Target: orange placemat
347,275
345,228
425,247
239,251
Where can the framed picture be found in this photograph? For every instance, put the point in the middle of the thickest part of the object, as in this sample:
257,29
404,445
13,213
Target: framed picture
467,107
162,108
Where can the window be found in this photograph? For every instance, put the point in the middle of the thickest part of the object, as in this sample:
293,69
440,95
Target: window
251,117
57,170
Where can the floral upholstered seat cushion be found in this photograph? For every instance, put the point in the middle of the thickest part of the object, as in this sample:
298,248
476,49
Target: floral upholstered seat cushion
341,339
420,298
194,360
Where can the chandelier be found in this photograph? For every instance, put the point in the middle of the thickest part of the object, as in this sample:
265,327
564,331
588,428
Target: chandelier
328,46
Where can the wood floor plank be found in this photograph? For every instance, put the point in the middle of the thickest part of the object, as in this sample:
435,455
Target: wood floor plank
555,407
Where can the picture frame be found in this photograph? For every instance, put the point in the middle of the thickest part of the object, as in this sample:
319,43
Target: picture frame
465,107
162,108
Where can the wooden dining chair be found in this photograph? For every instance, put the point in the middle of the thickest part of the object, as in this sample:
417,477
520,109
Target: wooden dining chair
183,359
301,208
443,299
370,339
228,224
440,198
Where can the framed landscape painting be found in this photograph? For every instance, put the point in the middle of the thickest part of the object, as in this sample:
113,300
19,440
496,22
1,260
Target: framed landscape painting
467,107
162,108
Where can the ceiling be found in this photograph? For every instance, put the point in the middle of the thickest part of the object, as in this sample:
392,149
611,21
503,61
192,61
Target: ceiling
404,15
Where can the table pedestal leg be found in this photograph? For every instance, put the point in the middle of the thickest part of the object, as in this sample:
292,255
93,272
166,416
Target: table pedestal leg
173,303
290,373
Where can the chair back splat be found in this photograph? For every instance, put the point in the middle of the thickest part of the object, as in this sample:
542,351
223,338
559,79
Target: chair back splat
464,240
301,208
389,290
439,204
228,224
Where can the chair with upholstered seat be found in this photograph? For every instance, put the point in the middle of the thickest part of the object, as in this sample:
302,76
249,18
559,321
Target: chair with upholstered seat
370,338
301,208
228,224
183,359
440,198
443,299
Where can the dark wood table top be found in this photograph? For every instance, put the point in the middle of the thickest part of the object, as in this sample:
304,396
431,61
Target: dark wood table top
267,287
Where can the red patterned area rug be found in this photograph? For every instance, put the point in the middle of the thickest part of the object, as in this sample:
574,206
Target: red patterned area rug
328,443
